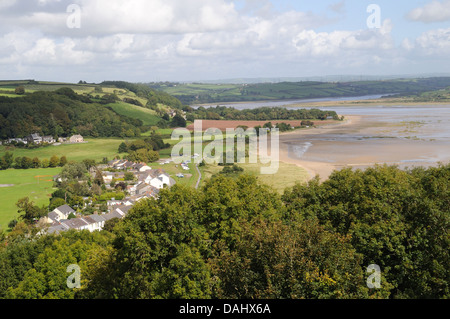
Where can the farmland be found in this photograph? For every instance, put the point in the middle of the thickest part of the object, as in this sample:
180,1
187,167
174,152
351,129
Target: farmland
37,184
147,116
95,149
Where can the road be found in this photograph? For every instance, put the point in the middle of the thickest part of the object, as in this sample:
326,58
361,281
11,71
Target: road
199,177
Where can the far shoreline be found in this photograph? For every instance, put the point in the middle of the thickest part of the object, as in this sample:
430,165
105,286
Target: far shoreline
330,103
321,169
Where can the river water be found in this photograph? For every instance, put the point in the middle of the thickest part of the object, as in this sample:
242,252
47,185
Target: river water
258,104
406,136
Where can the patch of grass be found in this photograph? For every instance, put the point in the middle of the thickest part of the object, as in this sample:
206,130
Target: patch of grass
190,177
147,116
95,149
287,176
37,184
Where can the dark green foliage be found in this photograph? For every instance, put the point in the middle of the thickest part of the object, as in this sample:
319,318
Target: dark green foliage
178,121
397,219
60,113
260,114
236,238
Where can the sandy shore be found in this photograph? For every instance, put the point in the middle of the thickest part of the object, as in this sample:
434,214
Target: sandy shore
360,142
315,168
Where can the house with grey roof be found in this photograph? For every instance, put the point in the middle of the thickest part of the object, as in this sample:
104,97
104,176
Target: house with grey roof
60,213
95,222
76,223
112,215
34,138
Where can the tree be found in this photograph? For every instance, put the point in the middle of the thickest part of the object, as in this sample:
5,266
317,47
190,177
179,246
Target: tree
386,210
27,162
271,260
73,171
29,212
6,161
20,90
123,148
54,161
63,161
144,156
45,163
55,203
178,121
89,163
158,251
36,163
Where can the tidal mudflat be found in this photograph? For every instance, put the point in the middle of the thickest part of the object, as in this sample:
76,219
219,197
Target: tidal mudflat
406,136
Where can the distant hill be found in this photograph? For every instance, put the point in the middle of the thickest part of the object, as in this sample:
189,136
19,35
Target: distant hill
111,108
197,93
62,113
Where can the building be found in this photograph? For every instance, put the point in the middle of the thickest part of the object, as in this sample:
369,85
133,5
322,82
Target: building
48,139
34,139
60,213
76,139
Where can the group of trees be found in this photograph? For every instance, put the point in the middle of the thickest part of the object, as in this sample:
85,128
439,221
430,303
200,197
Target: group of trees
144,150
237,238
61,113
8,161
260,114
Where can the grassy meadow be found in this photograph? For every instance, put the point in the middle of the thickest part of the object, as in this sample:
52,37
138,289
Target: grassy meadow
95,149
287,176
148,116
37,184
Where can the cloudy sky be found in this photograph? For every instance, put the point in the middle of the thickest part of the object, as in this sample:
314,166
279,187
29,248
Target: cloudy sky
193,40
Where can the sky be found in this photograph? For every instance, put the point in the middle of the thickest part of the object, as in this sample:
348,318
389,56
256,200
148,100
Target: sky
195,40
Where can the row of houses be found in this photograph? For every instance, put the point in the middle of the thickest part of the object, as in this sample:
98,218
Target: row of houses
37,139
148,182
144,176
59,219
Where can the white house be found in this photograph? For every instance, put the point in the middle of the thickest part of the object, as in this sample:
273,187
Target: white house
60,213
76,139
95,222
160,181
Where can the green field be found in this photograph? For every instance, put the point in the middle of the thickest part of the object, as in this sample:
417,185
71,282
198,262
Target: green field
95,149
147,116
287,176
37,184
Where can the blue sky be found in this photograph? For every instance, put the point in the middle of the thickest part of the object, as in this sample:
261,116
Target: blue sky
179,40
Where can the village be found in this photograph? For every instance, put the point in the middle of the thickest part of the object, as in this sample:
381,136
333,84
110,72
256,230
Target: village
147,183
37,139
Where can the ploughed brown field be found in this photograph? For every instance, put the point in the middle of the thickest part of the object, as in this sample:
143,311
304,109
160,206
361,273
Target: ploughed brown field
223,125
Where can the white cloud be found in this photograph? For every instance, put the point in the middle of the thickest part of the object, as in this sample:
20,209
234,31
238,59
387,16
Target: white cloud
434,43
7,3
107,17
435,11
198,39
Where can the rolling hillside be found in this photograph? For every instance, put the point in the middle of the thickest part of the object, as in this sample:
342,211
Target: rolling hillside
197,93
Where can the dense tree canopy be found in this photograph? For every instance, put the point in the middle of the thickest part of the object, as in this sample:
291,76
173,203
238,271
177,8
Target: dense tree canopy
260,114
237,238
60,113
